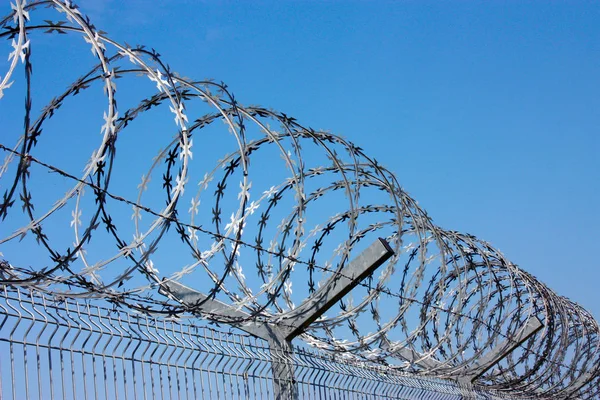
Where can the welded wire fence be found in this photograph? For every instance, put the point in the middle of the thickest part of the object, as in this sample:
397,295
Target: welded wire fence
73,349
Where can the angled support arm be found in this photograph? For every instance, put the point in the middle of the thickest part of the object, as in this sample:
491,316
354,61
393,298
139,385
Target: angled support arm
297,320
294,322
338,285
502,350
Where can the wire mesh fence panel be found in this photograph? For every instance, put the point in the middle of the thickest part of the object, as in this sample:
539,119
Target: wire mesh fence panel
74,350
284,232
57,348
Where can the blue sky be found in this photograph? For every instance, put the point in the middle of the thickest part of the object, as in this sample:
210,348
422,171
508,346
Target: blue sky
488,112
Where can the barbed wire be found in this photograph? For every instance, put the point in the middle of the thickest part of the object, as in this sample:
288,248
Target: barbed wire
451,298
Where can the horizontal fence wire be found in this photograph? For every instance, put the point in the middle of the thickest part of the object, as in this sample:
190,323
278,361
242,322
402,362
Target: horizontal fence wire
57,348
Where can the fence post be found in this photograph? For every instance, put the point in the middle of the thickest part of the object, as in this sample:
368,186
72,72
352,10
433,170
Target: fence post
294,322
282,366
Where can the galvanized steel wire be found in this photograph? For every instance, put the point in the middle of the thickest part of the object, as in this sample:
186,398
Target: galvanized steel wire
74,349
258,216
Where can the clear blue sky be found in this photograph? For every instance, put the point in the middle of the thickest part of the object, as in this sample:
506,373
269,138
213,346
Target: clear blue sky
488,112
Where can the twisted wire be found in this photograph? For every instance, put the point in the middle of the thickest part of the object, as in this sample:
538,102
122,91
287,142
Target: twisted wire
284,205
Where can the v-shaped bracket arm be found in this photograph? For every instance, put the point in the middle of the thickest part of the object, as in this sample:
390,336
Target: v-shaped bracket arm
335,288
281,329
296,321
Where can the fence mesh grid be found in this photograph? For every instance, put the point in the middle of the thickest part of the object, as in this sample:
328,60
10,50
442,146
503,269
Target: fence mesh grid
73,349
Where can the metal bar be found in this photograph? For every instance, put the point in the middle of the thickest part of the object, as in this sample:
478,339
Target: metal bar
340,284
237,318
502,350
419,359
282,366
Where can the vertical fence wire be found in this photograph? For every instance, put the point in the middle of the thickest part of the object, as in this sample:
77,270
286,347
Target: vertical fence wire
69,349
